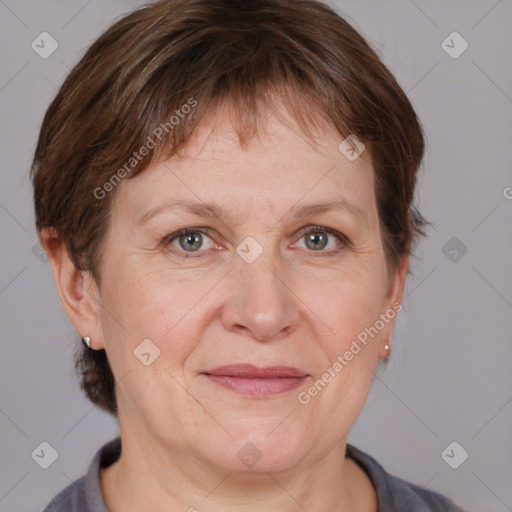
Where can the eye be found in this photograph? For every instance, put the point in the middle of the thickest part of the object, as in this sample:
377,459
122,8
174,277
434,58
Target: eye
317,238
189,240
197,240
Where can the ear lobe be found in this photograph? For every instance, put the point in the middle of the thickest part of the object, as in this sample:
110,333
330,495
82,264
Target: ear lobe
77,290
394,303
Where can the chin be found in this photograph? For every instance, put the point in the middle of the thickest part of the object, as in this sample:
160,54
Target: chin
261,450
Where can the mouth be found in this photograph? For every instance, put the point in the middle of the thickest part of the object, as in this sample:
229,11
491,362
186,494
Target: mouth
250,380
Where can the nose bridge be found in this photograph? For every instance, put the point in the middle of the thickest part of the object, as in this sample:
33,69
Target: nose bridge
260,301
261,269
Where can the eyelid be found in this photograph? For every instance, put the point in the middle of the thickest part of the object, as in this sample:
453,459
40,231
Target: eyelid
186,231
303,231
344,240
167,240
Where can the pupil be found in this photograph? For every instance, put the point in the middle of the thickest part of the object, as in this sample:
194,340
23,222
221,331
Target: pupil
191,241
315,238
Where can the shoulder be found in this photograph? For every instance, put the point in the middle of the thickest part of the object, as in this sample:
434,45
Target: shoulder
84,494
70,499
422,499
395,494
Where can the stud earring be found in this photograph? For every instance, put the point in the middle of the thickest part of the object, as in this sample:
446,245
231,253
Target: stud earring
386,347
87,342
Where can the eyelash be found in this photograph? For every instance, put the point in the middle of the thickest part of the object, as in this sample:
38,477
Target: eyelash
305,231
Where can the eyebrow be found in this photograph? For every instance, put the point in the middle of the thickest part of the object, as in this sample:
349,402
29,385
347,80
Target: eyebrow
212,210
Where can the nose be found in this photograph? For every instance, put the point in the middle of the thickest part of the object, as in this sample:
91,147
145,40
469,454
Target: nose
260,303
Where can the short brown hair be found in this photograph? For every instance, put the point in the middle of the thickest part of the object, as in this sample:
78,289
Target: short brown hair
149,64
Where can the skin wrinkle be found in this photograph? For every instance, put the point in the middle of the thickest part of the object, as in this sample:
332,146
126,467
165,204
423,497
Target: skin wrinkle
218,310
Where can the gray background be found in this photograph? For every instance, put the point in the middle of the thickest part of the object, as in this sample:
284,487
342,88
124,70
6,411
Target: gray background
449,376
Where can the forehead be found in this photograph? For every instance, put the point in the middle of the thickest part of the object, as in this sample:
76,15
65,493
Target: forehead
279,168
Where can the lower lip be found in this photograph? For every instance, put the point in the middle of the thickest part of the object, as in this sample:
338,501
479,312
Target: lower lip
258,386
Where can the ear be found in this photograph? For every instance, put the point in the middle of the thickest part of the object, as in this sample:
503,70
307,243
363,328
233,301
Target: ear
393,304
77,289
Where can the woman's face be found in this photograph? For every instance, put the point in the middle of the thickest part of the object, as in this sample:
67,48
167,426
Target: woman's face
246,286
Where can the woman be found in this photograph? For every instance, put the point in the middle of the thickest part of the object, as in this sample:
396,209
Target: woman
224,191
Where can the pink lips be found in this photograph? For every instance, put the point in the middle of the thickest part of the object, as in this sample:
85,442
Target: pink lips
251,380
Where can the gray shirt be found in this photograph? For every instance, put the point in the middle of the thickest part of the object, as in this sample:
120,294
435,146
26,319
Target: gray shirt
393,493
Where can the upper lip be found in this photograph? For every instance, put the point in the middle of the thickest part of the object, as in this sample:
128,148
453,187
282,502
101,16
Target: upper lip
250,371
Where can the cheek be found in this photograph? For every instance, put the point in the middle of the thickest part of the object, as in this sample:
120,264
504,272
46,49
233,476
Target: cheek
142,306
346,307
139,304
345,364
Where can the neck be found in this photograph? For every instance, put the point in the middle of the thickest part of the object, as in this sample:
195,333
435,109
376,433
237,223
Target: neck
149,477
